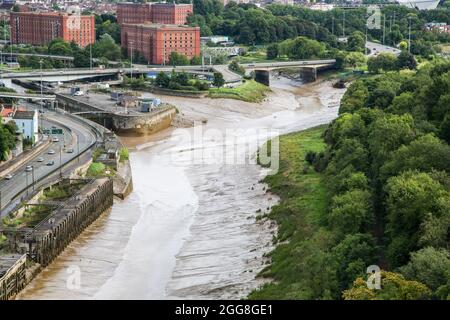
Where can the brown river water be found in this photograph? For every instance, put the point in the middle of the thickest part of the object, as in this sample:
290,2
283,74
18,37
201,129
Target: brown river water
188,230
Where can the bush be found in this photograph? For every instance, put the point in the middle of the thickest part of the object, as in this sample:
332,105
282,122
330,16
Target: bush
123,154
202,86
96,169
310,157
174,85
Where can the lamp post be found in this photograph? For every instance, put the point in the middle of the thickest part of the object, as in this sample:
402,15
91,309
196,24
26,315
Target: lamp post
42,100
10,42
32,177
90,48
26,175
78,148
131,57
60,161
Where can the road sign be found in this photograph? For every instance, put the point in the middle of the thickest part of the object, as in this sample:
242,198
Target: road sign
46,131
57,131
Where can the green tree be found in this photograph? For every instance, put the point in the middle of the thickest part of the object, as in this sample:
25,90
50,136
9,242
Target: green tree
218,81
195,61
59,47
410,196
351,212
393,287
178,59
356,41
429,266
382,62
272,51
352,255
403,103
406,60
355,59
434,229
426,153
388,133
236,67
162,80
302,48
7,141
106,47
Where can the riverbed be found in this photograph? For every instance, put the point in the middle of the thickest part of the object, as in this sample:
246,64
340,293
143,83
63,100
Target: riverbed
189,229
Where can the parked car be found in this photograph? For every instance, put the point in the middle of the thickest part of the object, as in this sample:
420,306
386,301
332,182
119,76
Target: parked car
50,163
8,176
78,93
69,150
29,168
51,151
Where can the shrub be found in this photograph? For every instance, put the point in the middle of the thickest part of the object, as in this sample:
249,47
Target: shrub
123,154
96,169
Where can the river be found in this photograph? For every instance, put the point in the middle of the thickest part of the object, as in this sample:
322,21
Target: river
189,228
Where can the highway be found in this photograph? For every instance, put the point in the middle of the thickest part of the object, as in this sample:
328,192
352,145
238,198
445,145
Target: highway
73,74
377,48
78,137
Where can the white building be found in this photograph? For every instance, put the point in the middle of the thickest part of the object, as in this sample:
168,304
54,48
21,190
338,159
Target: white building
27,124
322,6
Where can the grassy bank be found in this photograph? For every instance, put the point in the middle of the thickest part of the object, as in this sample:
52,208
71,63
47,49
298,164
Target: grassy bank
250,91
301,211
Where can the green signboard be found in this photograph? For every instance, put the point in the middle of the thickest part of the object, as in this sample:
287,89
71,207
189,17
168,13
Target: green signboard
57,131
46,131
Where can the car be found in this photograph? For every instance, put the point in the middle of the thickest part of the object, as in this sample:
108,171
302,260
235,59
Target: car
78,93
51,151
55,139
40,159
28,168
69,150
8,176
50,163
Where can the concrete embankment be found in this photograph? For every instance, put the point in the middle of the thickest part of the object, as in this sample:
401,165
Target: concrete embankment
42,243
141,123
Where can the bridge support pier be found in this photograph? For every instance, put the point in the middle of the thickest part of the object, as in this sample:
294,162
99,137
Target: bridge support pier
308,74
262,76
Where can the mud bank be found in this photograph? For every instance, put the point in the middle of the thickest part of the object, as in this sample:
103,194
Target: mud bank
189,228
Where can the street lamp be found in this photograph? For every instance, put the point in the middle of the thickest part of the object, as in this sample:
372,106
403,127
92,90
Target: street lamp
78,148
90,48
32,177
60,161
42,101
131,44
26,175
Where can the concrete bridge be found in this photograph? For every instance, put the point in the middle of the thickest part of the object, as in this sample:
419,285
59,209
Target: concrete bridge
308,69
229,76
38,55
27,96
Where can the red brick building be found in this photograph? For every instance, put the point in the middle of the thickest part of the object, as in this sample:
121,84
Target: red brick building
164,13
39,28
155,41
130,12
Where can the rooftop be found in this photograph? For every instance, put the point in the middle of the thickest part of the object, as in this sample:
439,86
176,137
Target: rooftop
160,25
47,13
7,112
24,115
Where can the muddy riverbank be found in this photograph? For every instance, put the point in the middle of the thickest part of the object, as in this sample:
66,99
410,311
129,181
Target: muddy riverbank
189,228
